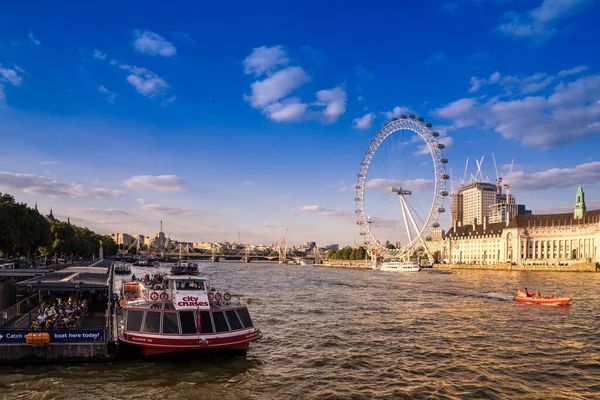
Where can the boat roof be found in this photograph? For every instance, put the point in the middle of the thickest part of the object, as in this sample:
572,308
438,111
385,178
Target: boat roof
70,279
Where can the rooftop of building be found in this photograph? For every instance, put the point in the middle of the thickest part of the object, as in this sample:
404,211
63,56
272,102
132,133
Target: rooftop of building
550,220
466,230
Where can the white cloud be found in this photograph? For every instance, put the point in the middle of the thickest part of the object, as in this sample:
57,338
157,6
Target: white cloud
32,39
169,101
174,211
360,98
248,183
265,60
161,183
104,211
540,23
99,55
270,95
146,82
477,83
334,101
35,184
568,114
573,71
277,86
416,185
588,173
2,95
320,210
396,112
363,122
110,96
291,109
10,75
147,42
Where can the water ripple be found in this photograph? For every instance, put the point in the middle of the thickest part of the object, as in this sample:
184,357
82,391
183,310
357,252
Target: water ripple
362,334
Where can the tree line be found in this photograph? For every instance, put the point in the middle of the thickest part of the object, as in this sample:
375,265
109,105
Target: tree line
347,253
25,232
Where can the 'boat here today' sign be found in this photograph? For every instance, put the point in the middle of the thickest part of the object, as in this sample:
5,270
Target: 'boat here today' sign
87,335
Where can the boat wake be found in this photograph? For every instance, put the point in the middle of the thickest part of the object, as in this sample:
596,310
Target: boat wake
482,295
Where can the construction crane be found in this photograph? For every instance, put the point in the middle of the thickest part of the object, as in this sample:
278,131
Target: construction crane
498,177
506,184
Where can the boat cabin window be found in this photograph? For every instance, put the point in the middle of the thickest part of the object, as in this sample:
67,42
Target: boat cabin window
152,322
220,322
206,323
188,322
190,284
170,323
169,306
233,319
245,317
134,320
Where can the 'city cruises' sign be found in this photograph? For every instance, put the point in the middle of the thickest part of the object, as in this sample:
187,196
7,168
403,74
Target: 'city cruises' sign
87,335
194,301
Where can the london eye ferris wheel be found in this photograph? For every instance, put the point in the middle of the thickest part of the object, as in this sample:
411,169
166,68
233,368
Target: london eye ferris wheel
401,188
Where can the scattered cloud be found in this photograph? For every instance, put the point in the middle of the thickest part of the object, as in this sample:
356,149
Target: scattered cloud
147,42
540,23
570,113
99,55
334,103
146,82
416,185
588,173
363,122
103,211
576,70
50,162
396,112
320,210
277,86
477,83
265,60
248,183
110,96
33,40
10,75
186,37
279,80
161,183
434,57
169,101
35,184
175,211
565,208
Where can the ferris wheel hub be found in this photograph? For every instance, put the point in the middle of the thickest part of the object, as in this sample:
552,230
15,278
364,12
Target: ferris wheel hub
399,190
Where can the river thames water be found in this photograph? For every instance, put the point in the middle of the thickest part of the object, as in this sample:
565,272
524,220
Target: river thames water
362,334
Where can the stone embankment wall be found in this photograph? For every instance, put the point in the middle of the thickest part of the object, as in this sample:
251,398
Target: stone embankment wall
580,267
344,264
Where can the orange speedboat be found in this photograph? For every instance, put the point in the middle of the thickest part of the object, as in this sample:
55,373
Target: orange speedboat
535,297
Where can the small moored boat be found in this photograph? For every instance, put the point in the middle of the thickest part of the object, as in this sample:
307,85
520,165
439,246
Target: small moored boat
400,266
122,268
535,298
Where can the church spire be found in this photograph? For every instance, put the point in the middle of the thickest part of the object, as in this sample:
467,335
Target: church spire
579,203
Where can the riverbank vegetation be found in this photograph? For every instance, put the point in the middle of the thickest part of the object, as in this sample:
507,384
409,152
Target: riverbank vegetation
25,232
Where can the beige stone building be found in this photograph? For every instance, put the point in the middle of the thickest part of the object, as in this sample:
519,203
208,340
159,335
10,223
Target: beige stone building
549,239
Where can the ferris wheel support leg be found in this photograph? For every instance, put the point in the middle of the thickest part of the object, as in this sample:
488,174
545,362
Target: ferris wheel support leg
405,211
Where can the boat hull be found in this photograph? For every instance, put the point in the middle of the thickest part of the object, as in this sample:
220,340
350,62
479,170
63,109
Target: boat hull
547,302
154,344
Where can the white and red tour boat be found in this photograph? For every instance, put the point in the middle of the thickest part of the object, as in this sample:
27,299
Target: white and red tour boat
182,312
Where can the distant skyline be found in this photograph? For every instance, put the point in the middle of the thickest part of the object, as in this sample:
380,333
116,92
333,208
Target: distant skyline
221,118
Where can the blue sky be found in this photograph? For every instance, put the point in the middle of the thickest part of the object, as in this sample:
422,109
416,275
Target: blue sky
226,117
